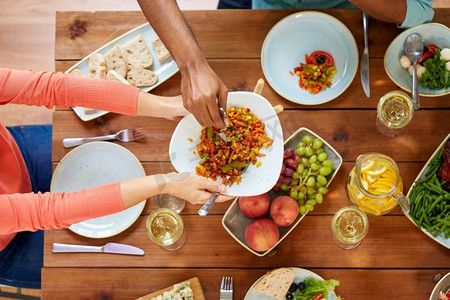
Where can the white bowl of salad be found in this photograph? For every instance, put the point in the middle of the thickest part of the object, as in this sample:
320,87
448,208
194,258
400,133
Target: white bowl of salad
433,67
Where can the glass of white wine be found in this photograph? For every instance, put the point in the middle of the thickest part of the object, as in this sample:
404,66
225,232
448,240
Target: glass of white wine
166,229
394,111
349,226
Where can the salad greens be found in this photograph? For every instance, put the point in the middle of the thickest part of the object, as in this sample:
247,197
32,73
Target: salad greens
316,286
436,76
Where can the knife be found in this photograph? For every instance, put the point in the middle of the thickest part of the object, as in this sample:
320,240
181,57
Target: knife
107,248
364,65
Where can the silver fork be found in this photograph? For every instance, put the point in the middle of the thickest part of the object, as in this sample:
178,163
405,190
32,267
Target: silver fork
125,135
226,288
209,204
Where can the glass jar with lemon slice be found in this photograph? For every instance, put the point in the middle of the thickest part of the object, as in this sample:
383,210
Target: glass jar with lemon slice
375,186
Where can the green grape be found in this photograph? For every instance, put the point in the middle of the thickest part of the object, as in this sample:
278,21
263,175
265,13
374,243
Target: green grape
307,139
320,150
322,180
322,156
300,195
322,190
300,144
305,172
305,161
293,193
313,158
312,202
300,150
284,187
300,168
311,181
310,191
315,166
325,171
308,151
317,143
328,163
302,210
295,175
295,182
319,198
309,207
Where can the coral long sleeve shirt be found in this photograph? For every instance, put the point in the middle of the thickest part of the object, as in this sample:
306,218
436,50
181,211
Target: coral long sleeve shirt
20,208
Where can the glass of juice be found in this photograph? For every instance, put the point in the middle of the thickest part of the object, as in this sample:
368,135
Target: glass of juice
349,226
166,229
394,111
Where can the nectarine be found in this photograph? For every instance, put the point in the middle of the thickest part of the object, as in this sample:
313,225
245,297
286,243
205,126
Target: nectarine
284,210
254,207
262,234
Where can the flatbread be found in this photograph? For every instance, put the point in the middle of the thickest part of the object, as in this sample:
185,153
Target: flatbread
141,77
116,60
96,66
114,76
161,51
138,53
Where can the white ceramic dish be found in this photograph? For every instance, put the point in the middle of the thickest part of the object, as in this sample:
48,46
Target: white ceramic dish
440,238
163,70
95,164
442,285
432,33
235,223
255,180
304,32
300,275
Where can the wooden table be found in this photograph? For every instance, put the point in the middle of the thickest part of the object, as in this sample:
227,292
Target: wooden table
395,261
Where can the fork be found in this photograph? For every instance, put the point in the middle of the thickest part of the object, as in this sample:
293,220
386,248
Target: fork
125,135
209,204
226,288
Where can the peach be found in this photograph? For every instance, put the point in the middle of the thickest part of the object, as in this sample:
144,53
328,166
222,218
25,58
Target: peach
284,210
262,234
254,207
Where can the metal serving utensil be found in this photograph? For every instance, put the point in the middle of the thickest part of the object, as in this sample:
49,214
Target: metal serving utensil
414,50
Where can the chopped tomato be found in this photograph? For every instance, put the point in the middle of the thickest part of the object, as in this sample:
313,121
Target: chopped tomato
424,57
317,297
432,48
320,58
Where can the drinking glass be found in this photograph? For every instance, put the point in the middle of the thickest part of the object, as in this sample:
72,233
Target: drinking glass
394,111
349,226
169,201
166,229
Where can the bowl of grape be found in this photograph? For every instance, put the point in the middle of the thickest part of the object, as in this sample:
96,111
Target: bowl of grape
259,223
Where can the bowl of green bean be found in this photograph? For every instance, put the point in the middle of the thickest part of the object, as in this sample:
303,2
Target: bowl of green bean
429,196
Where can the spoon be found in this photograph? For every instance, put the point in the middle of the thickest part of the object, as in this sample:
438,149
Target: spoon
414,50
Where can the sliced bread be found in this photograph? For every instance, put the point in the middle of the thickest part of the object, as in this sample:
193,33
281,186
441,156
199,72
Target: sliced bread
141,77
161,51
96,66
138,53
77,72
116,60
276,283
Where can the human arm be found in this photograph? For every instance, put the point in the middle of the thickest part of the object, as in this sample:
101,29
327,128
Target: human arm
201,88
31,211
52,89
408,13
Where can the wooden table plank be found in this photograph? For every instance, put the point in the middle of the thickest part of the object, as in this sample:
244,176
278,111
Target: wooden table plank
390,243
118,283
350,132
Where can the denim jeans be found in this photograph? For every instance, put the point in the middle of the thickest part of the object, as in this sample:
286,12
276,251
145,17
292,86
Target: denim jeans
21,261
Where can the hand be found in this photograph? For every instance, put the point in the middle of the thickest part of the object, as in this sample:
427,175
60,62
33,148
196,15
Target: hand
193,188
203,93
170,108
176,110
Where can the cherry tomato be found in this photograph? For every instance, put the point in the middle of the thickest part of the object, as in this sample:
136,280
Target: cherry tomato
321,57
424,57
432,48
317,297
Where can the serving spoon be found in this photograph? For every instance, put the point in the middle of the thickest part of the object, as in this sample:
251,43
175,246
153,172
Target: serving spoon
413,50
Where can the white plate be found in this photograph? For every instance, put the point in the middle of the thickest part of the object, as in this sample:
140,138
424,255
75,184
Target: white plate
300,275
95,164
163,70
255,180
442,285
440,238
431,33
304,32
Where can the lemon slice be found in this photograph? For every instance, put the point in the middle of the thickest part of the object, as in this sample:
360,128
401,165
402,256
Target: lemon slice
370,208
367,166
377,170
